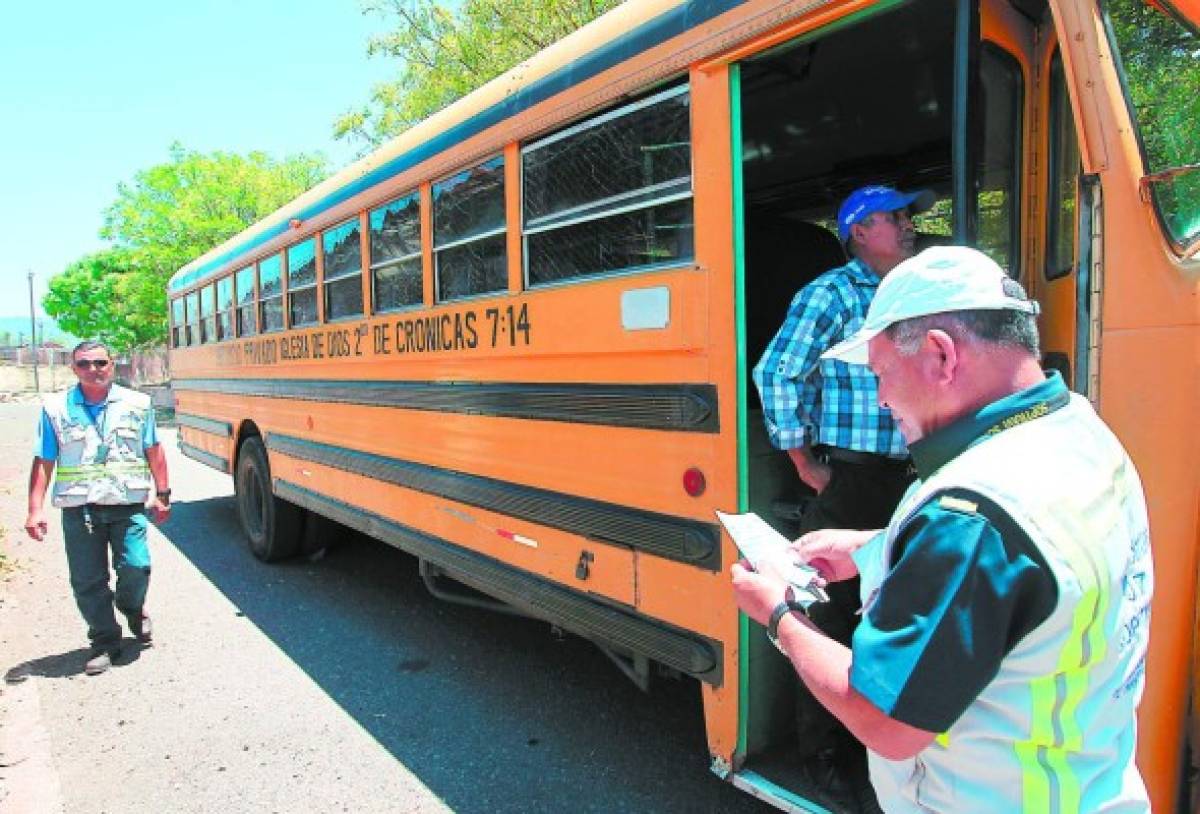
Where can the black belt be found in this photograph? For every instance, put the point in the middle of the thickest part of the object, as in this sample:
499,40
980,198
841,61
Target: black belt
850,456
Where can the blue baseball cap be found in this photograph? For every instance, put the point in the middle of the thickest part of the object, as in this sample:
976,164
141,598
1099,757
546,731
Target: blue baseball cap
869,200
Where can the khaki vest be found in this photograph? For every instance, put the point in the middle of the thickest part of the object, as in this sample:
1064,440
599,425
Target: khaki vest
1055,730
123,477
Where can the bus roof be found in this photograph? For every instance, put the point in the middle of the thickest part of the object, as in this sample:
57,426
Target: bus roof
625,31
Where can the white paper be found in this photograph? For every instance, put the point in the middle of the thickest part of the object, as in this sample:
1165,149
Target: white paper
765,548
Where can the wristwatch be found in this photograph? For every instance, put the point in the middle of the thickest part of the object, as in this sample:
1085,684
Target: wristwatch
164,494
788,605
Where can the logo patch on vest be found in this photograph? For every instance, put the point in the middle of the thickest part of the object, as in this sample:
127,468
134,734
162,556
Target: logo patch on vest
958,504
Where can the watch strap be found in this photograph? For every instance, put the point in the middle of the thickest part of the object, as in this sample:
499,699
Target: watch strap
781,610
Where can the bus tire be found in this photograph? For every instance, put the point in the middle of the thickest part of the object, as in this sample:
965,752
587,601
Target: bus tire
321,533
273,526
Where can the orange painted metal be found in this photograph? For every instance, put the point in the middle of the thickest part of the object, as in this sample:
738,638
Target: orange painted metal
512,211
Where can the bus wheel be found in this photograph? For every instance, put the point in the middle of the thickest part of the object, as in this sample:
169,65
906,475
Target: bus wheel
321,533
272,526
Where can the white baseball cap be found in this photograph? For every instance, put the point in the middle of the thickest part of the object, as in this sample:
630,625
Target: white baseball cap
936,281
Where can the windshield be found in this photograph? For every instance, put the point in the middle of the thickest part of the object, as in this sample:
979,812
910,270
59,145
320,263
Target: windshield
1160,59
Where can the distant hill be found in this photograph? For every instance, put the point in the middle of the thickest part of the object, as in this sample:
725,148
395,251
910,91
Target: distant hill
15,329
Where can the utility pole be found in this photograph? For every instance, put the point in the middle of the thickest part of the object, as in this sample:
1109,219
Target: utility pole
33,336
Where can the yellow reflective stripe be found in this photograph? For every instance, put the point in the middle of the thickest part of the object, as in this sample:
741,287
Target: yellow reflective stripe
1048,783
72,474
113,465
1035,785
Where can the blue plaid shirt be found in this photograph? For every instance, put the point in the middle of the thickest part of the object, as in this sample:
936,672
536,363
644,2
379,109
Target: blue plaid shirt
810,400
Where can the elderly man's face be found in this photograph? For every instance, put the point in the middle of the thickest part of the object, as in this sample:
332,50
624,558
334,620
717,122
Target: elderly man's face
905,387
888,238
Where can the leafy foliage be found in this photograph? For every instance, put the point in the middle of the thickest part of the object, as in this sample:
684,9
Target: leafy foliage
1161,59
174,212
167,216
446,53
92,298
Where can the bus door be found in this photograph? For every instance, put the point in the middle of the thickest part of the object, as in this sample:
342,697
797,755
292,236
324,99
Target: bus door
1034,208
931,108
1066,257
867,98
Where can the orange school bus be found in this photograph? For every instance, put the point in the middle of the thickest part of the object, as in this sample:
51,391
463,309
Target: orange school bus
515,341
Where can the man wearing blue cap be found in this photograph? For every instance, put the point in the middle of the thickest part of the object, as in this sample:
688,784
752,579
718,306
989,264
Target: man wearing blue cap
845,446
1006,605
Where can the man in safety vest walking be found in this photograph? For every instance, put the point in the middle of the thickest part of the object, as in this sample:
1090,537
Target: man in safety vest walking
1001,655
111,471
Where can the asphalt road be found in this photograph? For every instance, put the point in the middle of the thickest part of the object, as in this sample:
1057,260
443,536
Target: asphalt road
331,685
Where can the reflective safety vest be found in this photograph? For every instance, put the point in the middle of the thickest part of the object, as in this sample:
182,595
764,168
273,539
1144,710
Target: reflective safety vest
1055,730
100,461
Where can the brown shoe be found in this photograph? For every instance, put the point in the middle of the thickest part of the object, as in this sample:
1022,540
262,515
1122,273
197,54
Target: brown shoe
140,627
100,659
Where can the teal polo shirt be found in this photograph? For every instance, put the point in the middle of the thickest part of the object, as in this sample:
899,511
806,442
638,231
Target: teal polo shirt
963,588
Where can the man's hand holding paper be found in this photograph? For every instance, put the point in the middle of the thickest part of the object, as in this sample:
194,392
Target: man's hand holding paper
770,554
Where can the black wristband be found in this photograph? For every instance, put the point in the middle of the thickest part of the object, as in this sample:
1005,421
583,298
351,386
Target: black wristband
781,610
164,494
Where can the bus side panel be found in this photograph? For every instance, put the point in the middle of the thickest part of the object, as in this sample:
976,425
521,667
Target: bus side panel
712,144
1149,386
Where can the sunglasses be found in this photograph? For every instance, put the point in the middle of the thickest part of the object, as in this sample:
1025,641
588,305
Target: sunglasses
98,364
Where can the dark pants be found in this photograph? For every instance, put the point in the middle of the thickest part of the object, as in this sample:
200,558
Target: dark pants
859,496
123,530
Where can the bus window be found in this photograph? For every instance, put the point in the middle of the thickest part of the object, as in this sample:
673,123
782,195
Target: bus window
224,309
998,175
193,318
244,291
1160,62
1063,178
611,194
208,320
469,248
343,271
270,293
176,320
302,283
395,235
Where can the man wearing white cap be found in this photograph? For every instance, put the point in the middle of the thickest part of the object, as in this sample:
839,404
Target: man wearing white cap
1001,655
844,445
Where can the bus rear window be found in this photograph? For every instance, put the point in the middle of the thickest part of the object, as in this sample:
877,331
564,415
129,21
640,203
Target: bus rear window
176,321
193,318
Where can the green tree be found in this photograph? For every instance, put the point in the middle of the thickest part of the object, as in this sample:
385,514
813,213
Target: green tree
446,52
167,216
172,213
92,299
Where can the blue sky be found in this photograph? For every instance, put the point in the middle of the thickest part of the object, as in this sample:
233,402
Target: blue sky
94,92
